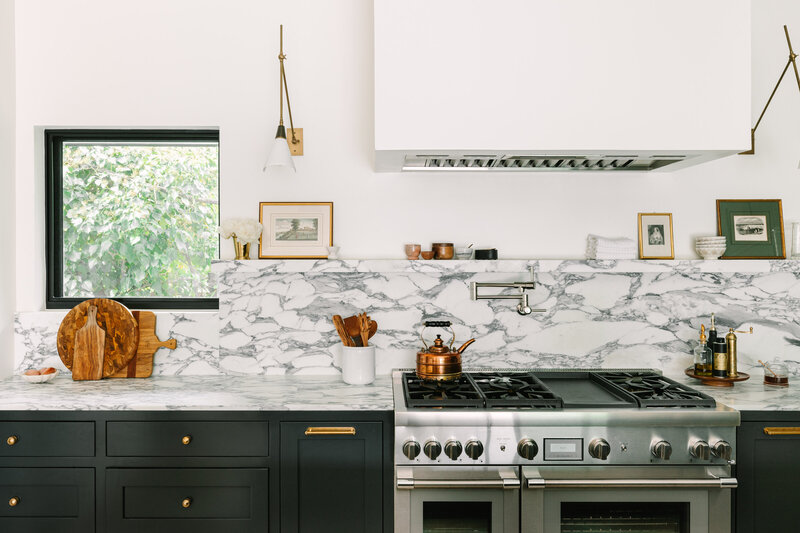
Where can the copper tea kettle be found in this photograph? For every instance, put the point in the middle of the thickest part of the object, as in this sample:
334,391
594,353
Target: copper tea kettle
440,362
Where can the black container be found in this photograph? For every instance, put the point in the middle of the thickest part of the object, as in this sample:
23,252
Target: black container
719,367
486,253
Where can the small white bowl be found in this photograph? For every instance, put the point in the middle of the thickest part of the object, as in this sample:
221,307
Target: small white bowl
39,378
710,254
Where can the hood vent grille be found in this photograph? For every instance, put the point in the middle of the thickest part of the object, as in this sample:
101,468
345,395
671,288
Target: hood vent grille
537,163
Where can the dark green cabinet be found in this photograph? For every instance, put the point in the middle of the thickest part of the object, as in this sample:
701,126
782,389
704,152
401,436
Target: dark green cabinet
768,470
208,471
331,476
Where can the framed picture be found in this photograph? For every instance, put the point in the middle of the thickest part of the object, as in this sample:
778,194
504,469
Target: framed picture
655,236
754,229
295,230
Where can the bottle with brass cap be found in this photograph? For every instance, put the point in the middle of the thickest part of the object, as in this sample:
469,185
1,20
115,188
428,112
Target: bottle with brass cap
719,367
702,355
730,340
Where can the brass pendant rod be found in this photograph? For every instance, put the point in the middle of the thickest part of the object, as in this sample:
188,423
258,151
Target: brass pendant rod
281,57
769,101
288,105
792,56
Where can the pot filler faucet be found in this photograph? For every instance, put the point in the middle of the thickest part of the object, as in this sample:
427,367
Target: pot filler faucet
523,307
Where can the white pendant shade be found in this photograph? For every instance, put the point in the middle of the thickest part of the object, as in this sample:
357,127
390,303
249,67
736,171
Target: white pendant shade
280,156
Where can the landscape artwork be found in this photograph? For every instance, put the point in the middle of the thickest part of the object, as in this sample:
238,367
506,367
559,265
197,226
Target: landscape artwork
750,228
296,229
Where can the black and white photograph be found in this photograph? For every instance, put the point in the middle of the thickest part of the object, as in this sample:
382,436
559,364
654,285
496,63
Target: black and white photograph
655,236
750,228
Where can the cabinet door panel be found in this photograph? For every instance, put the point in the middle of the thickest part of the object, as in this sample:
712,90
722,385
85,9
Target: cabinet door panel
229,500
768,471
47,500
331,483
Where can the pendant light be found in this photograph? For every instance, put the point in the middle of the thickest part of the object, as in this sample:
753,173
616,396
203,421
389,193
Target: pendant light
284,148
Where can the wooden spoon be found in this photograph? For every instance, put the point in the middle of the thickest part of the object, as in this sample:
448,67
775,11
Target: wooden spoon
363,321
353,327
347,340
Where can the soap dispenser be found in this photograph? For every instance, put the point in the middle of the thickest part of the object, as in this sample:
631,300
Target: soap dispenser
702,355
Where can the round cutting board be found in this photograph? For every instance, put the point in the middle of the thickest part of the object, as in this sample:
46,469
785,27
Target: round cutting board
122,333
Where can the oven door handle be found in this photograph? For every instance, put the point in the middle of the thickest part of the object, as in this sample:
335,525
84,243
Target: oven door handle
710,483
502,483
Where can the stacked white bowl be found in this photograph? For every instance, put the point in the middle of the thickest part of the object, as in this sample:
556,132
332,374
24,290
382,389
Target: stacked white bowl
711,247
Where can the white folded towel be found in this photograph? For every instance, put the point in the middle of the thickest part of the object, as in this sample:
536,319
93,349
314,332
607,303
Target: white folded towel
610,248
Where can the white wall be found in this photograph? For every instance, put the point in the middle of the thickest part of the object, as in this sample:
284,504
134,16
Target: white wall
210,63
7,108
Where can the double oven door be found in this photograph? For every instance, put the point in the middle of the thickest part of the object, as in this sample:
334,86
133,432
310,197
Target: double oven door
563,499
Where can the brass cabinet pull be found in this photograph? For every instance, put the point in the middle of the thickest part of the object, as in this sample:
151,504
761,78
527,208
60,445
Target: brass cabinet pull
13,502
186,440
12,440
330,431
781,431
186,503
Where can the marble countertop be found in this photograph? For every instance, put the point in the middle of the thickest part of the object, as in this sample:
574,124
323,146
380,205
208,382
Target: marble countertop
196,393
290,393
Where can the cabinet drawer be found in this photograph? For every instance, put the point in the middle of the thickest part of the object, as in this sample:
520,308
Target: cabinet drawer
188,439
43,500
195,500
46,439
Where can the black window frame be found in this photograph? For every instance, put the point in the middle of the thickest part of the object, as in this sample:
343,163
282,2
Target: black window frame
54,209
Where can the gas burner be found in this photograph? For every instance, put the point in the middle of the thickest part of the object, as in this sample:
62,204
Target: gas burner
456,393
654,390
524,390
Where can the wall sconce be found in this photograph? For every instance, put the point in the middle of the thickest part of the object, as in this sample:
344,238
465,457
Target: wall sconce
283,150
793,63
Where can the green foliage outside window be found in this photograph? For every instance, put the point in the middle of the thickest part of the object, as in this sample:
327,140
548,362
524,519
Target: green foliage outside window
140,220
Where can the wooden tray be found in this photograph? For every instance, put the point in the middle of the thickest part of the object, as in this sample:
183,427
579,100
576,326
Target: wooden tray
122,333
714,381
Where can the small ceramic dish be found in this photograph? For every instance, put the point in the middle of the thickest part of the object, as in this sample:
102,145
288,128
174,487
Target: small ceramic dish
39,378
427,255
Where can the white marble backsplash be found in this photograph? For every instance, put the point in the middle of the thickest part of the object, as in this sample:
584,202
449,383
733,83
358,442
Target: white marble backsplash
274,316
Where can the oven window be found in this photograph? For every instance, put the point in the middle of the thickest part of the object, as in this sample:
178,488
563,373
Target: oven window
457,517
613,517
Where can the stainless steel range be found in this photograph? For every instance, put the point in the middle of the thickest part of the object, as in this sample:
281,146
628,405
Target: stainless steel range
546,451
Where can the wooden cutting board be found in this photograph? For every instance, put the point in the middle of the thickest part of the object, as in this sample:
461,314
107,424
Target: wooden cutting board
90,342
122,333
141,366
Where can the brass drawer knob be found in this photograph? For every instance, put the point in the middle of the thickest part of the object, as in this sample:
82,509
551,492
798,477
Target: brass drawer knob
12,440
186,440
186,503
13,502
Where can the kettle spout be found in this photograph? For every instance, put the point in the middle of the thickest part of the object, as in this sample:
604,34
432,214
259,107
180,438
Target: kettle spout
464,346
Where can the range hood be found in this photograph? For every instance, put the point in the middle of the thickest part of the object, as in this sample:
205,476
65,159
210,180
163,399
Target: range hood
560,85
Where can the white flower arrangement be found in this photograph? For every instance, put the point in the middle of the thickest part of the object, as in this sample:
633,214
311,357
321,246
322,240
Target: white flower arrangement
243,229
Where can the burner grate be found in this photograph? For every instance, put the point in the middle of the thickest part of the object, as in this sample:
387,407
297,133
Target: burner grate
502,389
457,393
654,390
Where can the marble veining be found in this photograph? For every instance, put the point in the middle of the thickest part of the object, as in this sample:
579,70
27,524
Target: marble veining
167,393
274,316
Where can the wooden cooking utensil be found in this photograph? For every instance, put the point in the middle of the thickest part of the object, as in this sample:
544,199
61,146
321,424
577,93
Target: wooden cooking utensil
363,320
90,343
122,333
353,328
342,331
141,366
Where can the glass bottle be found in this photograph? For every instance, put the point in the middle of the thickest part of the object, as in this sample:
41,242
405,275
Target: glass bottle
712,332
703,357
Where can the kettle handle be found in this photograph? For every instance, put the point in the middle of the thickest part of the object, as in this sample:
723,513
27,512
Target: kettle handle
437,324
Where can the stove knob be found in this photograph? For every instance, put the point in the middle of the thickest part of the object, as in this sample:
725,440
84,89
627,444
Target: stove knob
599,449
723,450
527,449
474,449
701,450
452,449
662,450
411,449
433,449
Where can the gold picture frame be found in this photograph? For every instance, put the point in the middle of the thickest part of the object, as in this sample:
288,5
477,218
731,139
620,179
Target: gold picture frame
295,230
656,240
